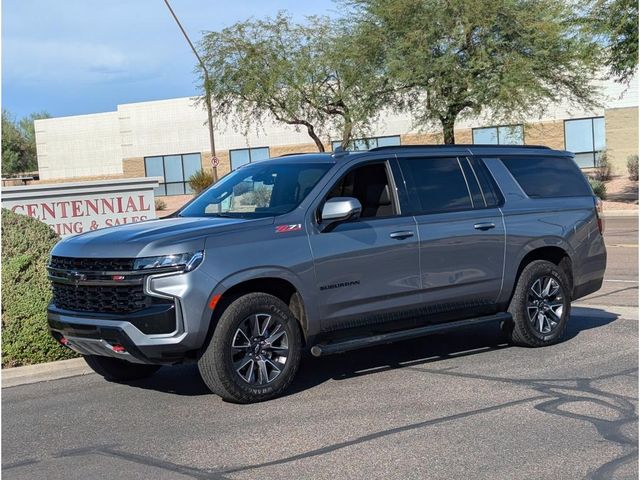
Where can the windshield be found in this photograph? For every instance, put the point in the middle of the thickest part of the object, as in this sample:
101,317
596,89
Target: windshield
263,189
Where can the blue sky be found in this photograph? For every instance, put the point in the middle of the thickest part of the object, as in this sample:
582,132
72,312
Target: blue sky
82,56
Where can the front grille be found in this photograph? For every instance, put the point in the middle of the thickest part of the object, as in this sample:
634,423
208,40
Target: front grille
100,298
92,264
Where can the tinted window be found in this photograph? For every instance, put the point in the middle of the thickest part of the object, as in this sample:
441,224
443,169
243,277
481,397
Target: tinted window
477,197
370,185
436,184
542,177
490,190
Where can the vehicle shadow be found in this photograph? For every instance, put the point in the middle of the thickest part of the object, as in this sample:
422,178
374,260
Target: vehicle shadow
186,380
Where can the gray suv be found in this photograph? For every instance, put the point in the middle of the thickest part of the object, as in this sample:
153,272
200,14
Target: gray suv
333,252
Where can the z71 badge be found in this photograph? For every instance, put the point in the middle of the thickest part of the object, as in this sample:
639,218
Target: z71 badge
288,228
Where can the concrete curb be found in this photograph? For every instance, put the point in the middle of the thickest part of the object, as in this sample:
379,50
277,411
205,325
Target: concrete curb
12,377
620,213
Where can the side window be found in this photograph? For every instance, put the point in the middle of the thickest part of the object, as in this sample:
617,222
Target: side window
370,185
492,195
548,177
477,196
436,184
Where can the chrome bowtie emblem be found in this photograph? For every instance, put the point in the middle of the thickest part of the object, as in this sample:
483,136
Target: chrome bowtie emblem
76,276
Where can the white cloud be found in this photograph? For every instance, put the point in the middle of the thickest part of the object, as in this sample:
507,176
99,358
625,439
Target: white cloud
64,61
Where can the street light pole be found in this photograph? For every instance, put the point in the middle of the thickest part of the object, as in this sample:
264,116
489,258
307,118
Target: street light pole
207,95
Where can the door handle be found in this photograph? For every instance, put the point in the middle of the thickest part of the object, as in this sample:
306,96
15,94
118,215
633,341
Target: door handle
401,235
484,226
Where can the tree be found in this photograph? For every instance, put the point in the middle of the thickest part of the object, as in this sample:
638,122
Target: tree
19,143
500,58
313,76
615,24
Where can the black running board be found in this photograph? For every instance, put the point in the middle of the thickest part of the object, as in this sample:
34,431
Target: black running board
363,342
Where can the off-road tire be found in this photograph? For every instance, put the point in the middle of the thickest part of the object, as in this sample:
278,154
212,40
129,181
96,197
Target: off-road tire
118,370
216,363
521,330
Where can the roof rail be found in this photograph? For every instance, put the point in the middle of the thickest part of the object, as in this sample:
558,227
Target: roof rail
340,152
294,153
461,145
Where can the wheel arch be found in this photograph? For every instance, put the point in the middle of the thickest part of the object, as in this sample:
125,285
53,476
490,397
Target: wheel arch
280,283
556,253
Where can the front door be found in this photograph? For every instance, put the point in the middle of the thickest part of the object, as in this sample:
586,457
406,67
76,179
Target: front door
367,268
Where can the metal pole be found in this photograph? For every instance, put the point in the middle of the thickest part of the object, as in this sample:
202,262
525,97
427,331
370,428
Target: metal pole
207,96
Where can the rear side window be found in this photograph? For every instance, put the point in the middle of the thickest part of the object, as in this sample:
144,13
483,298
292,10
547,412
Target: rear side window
435,184
489,188
544,177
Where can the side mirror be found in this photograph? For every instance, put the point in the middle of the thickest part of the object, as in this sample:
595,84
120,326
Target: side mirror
340,209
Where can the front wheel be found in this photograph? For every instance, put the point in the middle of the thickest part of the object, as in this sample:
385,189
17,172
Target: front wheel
254,352
540,306
119,370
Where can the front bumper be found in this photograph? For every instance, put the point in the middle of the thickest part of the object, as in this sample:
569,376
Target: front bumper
91,333
114,338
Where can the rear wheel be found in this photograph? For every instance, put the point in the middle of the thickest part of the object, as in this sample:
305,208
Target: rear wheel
119,370
254,352
540,306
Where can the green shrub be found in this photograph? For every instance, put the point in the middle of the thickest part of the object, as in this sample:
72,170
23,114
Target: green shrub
26,243
632,167
603,169
599,188
160,204
200,180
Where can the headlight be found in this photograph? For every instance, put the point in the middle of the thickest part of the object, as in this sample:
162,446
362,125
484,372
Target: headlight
187,260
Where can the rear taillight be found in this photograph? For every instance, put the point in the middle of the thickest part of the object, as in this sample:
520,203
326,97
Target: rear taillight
599,208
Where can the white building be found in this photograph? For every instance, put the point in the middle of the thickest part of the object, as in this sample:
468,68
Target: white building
169,138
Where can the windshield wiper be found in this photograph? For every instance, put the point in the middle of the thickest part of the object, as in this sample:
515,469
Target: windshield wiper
222,215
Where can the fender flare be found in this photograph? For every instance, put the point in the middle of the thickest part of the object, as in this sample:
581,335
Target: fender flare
255,273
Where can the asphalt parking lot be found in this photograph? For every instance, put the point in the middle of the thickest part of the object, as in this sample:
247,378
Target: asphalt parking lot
462,405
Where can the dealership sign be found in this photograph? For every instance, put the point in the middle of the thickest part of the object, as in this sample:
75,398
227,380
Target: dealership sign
72,208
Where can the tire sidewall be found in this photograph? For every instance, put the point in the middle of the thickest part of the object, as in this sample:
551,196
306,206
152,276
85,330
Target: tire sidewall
532,273
236,313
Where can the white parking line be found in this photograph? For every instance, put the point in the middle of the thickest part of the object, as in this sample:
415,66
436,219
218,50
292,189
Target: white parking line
620,281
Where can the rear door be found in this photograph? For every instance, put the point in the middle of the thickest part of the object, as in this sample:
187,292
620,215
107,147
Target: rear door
462,236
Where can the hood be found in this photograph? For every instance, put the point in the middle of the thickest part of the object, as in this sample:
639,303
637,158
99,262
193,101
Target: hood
152,237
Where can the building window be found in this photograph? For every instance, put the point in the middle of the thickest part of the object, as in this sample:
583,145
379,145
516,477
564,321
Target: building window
174,170
243,156
585,138
502,135
368,143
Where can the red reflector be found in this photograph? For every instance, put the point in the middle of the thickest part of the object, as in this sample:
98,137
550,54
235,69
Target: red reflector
117,277
214,301
118,348
64,341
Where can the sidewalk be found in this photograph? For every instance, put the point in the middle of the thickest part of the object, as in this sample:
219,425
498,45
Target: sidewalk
629,212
